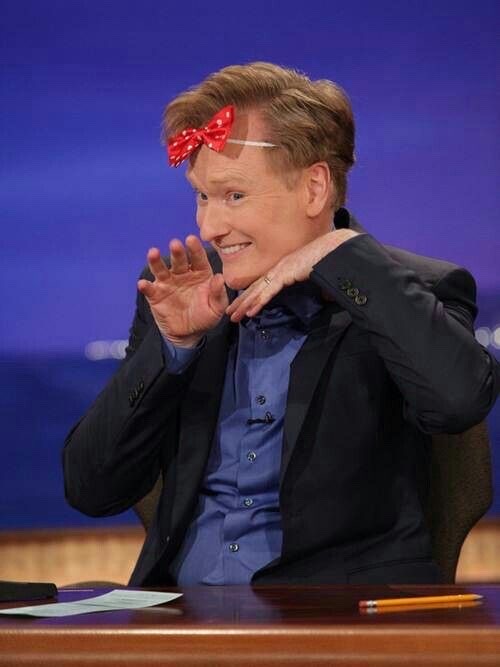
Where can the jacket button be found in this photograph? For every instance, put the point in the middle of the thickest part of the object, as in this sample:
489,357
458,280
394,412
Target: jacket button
360,300
352,292
131,399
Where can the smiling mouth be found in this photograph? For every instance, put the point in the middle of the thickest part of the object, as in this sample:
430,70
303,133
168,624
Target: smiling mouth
233,249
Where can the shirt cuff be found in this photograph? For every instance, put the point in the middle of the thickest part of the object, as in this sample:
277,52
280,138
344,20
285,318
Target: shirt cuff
177,359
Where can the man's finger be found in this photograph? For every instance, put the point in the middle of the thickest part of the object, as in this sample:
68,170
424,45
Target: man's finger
156,265
246,302
264,297
234,305
217,295
244,299
146,287
198,254
252,303
179,262
236,311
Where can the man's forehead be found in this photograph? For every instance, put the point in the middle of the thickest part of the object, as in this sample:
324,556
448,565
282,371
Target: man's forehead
198,172
238,164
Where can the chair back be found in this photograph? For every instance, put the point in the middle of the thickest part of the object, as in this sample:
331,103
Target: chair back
146,507
460,492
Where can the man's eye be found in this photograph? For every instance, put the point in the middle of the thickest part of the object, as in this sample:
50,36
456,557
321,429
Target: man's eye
235,196
201,196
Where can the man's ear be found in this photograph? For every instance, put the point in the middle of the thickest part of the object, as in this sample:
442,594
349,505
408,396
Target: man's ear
318,187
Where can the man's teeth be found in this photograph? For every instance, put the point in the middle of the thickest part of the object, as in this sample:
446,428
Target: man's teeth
228,250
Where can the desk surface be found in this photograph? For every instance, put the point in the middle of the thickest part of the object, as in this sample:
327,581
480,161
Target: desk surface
269,625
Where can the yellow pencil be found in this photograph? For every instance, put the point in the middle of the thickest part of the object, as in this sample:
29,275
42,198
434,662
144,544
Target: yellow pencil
431,599
436,606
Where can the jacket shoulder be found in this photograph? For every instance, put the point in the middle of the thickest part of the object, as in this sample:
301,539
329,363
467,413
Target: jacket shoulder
430,269
446,279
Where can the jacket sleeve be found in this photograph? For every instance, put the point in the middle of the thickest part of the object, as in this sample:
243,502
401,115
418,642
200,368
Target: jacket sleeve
112,456
422,330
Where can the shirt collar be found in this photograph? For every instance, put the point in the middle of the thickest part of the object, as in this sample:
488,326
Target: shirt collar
302,300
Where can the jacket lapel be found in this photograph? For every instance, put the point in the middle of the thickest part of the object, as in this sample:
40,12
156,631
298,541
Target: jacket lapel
198,419
308,365
305,373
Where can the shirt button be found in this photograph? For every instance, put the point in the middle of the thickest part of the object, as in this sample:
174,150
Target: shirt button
248,502
234,547
251,456
352,292
260,399
264,334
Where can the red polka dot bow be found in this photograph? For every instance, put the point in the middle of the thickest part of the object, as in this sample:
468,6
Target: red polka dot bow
214,135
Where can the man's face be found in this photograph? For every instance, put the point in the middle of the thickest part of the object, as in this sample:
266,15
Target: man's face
247,212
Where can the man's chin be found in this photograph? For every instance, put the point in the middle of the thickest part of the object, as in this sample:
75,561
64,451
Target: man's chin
238,282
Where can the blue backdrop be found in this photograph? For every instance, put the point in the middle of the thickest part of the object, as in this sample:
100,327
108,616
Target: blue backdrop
85,188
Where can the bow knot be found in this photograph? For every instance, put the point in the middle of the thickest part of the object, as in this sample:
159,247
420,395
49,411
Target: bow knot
214,135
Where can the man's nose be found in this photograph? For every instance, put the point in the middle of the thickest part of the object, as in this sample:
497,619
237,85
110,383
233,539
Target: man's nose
212,222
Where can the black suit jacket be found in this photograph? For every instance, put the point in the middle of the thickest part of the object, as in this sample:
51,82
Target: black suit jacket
391,359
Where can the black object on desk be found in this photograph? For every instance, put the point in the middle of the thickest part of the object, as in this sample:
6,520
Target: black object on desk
16,591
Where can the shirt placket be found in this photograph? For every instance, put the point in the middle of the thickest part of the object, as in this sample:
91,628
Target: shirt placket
258,344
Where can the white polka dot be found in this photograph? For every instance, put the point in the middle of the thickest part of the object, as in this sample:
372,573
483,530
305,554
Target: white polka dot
183,133
227,114
210,145
219,122
190,147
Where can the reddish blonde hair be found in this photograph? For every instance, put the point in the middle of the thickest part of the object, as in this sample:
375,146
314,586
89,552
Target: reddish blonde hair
310,121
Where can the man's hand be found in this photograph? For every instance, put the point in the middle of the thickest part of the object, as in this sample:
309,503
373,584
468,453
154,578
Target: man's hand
187,299
293,268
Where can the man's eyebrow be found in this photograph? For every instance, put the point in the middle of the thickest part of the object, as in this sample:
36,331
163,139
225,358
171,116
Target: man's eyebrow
236,179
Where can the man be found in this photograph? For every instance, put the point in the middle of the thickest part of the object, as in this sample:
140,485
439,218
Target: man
284,385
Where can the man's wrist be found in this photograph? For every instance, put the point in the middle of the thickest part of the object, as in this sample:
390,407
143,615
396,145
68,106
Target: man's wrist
340,236
178,359
184,342
336,239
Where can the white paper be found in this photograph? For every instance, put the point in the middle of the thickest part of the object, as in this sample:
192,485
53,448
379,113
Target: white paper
113,601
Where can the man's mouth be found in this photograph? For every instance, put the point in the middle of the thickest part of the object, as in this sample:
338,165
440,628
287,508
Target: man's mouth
232,249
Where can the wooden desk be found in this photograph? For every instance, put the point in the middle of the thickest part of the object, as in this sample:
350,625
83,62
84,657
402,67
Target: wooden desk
219,626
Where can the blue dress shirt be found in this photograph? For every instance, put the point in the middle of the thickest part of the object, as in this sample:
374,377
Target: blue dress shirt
237,525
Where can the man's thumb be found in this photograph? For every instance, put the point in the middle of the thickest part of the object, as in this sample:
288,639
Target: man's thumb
217,296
